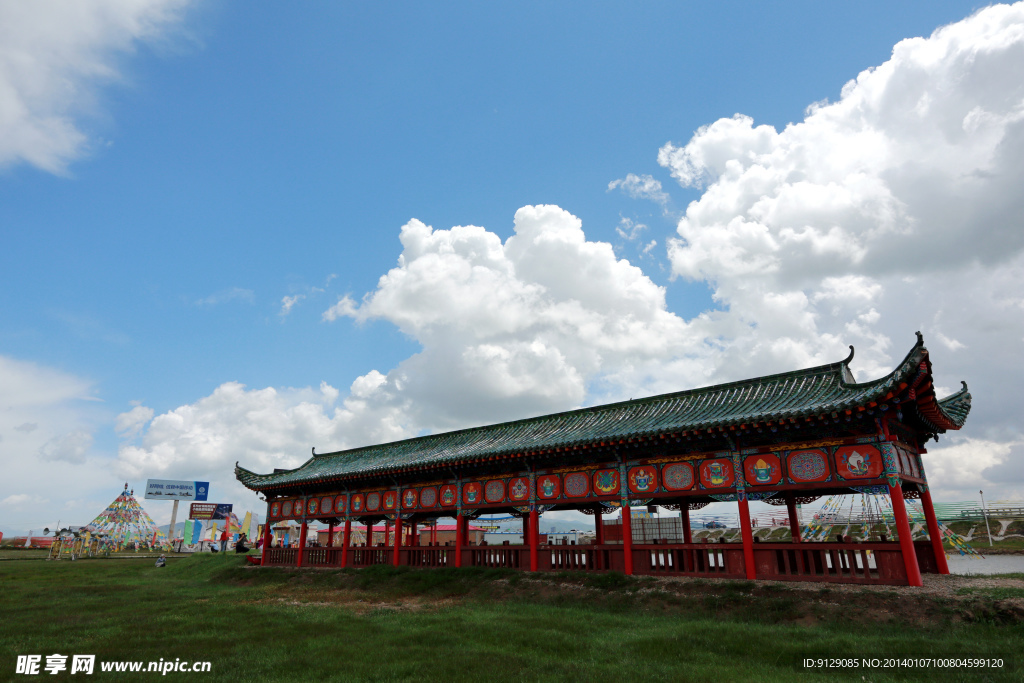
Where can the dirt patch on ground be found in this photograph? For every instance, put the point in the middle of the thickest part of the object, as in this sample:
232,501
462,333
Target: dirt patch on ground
942,599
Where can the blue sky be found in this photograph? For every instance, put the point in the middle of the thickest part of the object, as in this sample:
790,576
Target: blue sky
222,158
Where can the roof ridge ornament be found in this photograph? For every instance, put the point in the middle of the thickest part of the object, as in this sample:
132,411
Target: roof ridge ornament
850,357
920,338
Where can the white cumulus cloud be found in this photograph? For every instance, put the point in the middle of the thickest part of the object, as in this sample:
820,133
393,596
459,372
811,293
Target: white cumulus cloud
131,423
54,54
641,187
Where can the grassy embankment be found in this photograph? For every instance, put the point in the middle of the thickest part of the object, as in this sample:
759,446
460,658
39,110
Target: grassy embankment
979,538
482,625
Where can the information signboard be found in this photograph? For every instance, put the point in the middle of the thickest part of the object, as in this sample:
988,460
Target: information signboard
210,511
173,489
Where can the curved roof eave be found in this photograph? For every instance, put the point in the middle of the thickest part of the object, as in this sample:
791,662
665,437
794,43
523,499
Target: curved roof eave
824,389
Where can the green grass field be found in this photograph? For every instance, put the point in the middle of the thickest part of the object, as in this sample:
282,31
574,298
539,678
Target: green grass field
389,624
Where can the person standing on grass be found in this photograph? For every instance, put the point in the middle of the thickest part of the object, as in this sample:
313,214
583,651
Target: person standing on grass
224,536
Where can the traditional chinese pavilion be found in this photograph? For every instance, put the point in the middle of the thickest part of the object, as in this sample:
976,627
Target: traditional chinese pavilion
781,439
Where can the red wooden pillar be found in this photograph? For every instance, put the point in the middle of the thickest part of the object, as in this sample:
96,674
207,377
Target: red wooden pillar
458,541
302,543
398,540
684,515
267,536
748,539
345,540
330,535
413,534
534,537
627,539
899,511
794,521
933,531
433,533
599,539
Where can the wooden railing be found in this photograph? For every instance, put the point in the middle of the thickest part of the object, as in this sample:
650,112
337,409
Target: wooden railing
282,556
723,560
322,557
875,563
511,556
428,556
573,557
879,563
364,557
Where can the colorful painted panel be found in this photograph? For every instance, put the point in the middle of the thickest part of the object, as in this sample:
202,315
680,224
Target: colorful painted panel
286,509
717,473
428,497
807,466
643,479
606,482
678,476
299,508
472,493
313,506
577,484
859,462
494,492
326,505
390,500
548,486
358,502
275,510
762,470
372,501
519,488
339,505
409,498
449,496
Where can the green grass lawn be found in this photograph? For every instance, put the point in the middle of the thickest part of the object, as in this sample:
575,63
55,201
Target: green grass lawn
390,624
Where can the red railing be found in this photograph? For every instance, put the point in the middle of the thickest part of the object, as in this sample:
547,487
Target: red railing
282,556
511,556
364,557
573,557
723,560
880,563
875,563
322,557
428,556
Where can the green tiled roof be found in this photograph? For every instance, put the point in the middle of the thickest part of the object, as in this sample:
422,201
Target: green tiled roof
802,393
